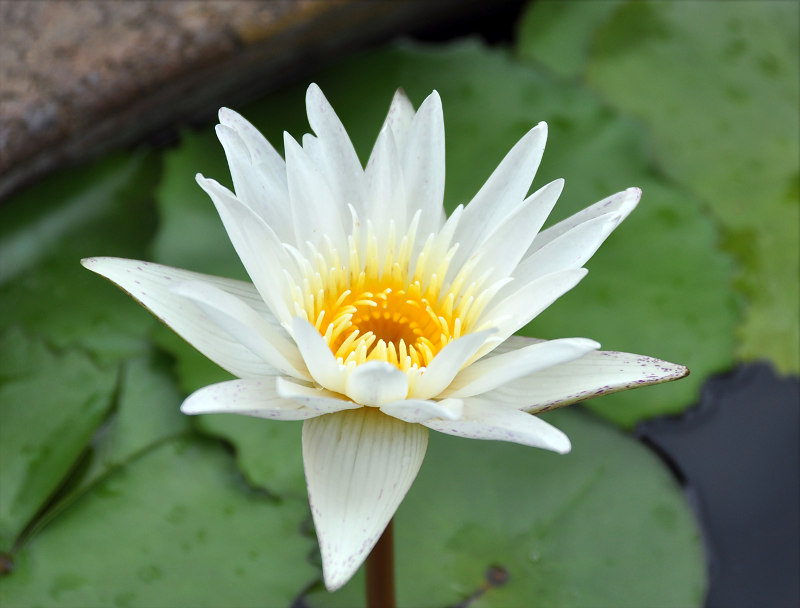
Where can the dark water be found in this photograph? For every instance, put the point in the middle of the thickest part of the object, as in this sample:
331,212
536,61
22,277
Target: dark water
738,455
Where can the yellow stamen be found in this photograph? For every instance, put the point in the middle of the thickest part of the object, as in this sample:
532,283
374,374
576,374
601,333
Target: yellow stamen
389,303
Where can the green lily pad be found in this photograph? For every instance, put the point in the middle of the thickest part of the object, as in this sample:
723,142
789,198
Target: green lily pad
51,404
146,414
716,83
101,209
506,525
176,527
558,33
267,451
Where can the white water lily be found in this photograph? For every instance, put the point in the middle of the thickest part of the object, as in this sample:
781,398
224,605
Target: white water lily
374,318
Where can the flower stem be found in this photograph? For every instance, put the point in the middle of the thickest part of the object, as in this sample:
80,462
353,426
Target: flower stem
380,572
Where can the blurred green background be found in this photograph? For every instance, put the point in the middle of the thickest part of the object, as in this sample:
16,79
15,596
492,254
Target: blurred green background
109,496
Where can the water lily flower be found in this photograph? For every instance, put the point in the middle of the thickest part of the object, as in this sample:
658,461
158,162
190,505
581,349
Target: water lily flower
374,317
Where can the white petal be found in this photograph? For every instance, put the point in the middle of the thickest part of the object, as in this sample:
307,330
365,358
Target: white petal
257,398
501,193
484,420
570,250
317,399
504,247
594,374
256,244
375,383
151,285
246,326
416,410
491,372
359,465
621,204
386,196
320,361
257,186
261,151
399,118
521,306
424,163
446,364
317,211
341,168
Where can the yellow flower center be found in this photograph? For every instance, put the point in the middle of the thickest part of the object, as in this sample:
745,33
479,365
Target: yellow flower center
390,306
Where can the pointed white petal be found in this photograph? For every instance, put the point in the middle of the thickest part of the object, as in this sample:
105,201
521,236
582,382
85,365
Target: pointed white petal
341,167
245,326
375,383
416,410
321,363
521,306
491,372
257,186
501,193
424,163
151,285
317,399
482,419
620,204
399,118
359,465
386,197
594,374
261,151
504,247
445,365
570,250
257,398
257,245
317,211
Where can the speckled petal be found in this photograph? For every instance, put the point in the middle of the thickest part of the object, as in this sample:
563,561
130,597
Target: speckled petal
594,374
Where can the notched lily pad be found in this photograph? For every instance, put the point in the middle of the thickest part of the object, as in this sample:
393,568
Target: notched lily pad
51,404
176,527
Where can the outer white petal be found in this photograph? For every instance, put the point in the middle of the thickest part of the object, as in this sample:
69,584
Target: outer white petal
151,285
501,193
359,465
503,249
482,419
376,383
257,398
491,372
424,164
594,374
317,211
518,308
317,399
416,410
621,204
341,168
256,244
246,326
446,364
321,363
